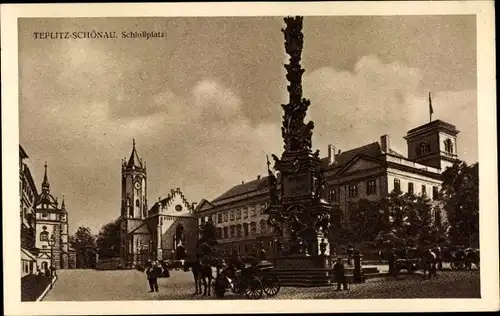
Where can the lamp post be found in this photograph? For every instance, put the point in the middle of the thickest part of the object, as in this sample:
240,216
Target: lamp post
52,242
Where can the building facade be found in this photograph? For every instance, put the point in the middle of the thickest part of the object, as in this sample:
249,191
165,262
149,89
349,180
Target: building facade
368,172
239,217
44,225
52,231
28,195
167,230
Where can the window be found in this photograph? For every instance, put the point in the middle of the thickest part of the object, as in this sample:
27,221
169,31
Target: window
44,236
448,146
353,190
424,193
245,213
44,246
410,188
423,148
397,185
137,203
238,214
226,217
219,218
225,232
238,230
371,187
435,193
253,228
44,214
232,216
333,196
253,212
219,232
232,232
245,229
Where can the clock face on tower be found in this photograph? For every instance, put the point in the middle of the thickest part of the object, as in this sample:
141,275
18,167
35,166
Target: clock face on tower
137,185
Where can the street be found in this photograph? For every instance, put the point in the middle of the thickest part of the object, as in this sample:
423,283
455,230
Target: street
92,285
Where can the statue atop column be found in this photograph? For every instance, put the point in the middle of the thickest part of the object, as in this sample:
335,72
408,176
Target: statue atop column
296,134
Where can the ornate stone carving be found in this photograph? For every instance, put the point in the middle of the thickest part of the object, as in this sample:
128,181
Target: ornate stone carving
296,134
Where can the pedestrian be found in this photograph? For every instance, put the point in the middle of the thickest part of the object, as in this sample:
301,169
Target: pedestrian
392,262
152,275
350,251
339,272
47,272
53,271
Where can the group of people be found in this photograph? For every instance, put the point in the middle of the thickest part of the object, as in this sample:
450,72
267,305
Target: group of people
48,273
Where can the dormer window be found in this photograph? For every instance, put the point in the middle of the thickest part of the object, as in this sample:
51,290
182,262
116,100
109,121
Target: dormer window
448,146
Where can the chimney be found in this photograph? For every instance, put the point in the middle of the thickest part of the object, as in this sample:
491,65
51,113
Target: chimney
331,154
385,143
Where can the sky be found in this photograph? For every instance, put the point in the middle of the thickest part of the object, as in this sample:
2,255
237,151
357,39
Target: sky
204,102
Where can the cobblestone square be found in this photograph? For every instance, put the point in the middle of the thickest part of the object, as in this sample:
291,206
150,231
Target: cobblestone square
118,285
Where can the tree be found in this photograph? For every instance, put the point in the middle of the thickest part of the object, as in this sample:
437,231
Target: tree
207,239
84,244
366,220
108,240
460,197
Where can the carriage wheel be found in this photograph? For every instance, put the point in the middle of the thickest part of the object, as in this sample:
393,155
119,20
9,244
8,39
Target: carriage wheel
271,285
238,286
453,265
440,266
253,288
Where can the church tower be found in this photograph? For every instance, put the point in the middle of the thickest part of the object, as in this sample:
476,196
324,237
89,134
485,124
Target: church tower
433,144
134,202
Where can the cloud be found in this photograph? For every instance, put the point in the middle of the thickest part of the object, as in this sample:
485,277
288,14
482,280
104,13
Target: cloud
351,109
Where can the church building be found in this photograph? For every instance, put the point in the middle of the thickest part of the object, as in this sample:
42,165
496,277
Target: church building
167,230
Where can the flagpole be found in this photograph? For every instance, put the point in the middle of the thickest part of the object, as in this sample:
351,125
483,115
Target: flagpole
430,108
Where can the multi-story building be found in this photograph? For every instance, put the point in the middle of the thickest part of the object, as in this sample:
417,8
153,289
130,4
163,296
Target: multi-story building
166,231
28,195
52,231
368,172
239,217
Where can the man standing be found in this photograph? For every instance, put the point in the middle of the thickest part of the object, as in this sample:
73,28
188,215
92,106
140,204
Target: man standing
339,271
152,274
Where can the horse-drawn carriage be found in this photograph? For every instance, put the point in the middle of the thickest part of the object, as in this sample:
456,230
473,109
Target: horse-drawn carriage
464,258
253,281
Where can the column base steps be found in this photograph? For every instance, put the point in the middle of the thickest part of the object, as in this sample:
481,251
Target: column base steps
317,277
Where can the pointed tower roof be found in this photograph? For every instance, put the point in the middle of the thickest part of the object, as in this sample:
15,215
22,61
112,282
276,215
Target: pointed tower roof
45,199
63,205
134,160
45,183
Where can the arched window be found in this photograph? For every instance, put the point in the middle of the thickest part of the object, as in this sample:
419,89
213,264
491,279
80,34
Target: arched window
245,229
425,148
137,203
238,230
232,232
448,146
225,232
44,236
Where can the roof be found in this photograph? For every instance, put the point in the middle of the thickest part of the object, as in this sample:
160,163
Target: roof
244,188
371,150
22,153
26,255
134,160
164,202
434,124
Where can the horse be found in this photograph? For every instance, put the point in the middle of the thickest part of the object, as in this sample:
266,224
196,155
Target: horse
202,274
471,257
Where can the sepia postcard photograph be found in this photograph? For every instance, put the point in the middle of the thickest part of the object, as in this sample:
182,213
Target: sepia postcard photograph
249,157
